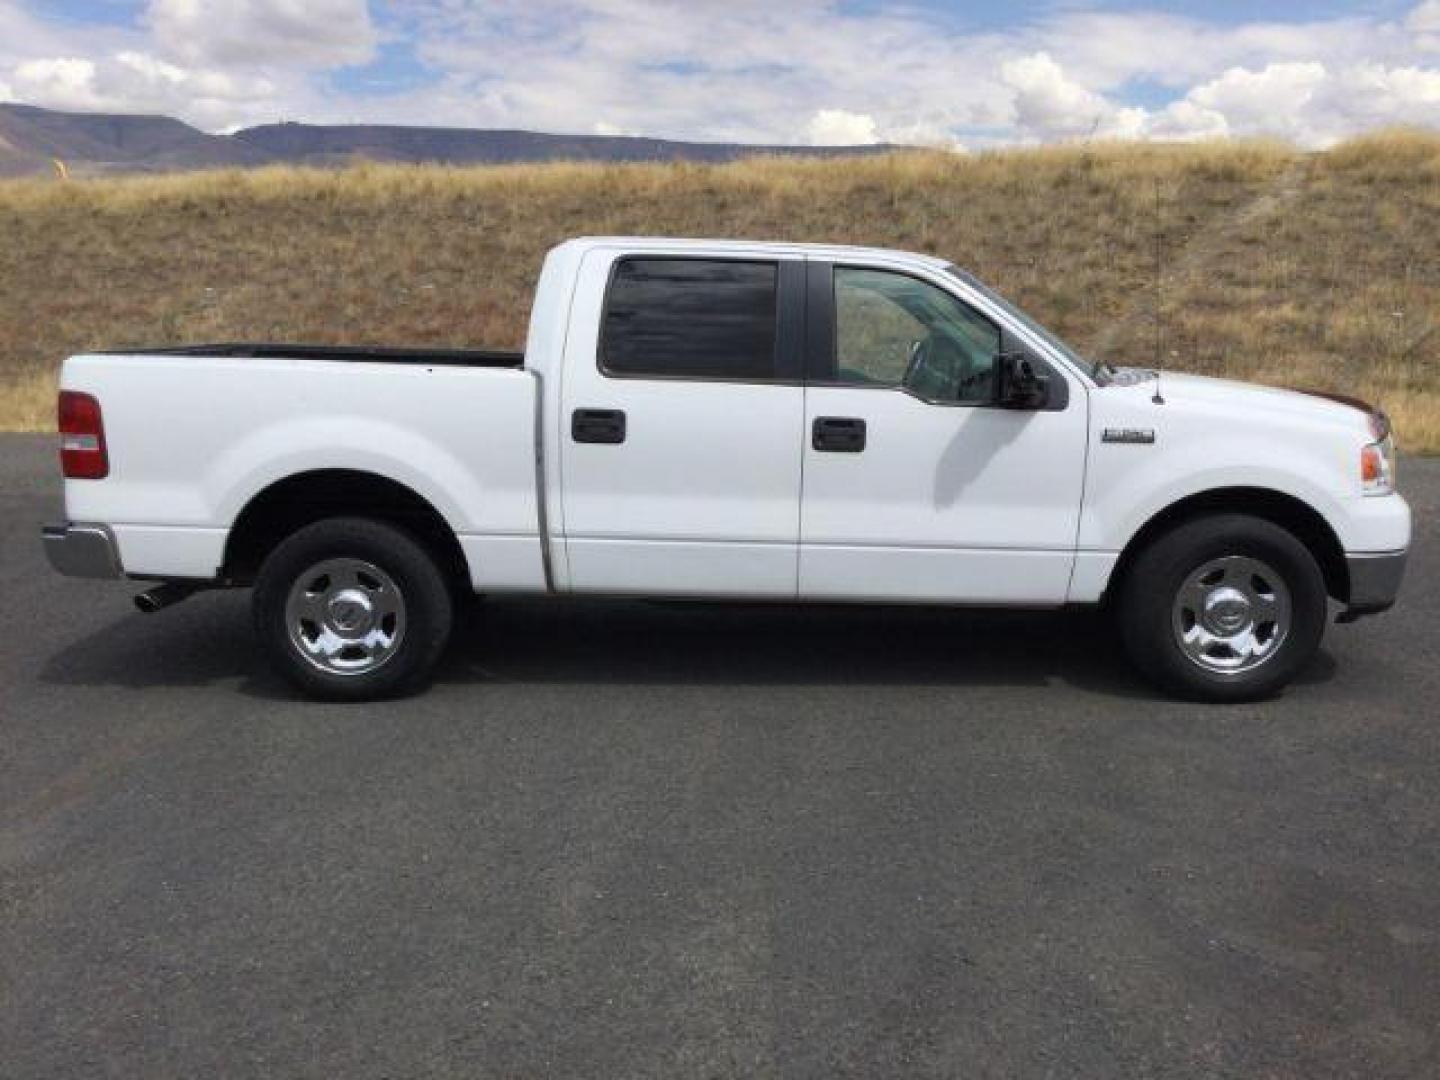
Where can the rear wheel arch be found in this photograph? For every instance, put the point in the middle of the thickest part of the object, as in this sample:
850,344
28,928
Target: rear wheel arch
289,505
1295,516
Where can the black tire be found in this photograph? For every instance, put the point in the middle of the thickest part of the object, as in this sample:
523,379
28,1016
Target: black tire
1148,597
420,595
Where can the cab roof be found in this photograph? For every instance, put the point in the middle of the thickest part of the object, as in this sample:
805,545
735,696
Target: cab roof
772,248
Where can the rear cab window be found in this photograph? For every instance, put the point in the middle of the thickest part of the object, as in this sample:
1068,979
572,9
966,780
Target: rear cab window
692,318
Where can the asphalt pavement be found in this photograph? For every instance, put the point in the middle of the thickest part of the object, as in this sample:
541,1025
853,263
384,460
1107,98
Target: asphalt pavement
634,839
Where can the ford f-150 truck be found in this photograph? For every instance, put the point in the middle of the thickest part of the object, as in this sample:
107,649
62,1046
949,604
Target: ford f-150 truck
711,419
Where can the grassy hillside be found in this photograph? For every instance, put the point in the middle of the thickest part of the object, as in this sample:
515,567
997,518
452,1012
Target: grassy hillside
1317,270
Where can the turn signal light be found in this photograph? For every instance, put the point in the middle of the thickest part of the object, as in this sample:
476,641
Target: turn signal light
82,437
1377,468
1370,468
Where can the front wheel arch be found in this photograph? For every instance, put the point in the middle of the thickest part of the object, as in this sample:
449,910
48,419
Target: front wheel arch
1170,640
1295,516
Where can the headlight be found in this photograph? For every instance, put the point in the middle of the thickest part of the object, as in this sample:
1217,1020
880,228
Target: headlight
1377,467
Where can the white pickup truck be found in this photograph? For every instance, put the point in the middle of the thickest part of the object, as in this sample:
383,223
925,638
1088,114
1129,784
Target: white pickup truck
731,420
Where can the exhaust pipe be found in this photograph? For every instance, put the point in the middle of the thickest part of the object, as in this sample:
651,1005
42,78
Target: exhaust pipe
164,595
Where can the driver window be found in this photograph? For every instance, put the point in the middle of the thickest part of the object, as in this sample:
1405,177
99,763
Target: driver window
894,330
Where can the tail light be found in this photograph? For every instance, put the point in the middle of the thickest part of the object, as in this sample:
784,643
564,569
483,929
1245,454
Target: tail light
82,437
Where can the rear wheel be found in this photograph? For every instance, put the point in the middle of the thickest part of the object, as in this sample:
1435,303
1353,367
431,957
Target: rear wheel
1224,608
351,609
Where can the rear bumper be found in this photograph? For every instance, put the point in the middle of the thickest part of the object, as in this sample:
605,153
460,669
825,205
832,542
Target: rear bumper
83,551
1374,582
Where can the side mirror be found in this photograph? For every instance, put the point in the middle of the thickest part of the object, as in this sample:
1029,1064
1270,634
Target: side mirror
1020,385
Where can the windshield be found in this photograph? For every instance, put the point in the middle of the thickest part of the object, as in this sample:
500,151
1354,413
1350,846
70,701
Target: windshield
1096,370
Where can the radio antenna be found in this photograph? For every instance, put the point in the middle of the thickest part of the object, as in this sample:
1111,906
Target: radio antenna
1159,295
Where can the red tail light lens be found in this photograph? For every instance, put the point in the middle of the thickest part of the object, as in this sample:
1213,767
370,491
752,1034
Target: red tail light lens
82,437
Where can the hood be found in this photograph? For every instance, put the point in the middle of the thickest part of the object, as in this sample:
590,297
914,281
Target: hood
1233,396
1378,418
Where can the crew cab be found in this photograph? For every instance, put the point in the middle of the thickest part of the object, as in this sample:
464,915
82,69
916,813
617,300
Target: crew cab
714,419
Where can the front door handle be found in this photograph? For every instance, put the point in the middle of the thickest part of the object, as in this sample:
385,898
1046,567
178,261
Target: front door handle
597,426
838,434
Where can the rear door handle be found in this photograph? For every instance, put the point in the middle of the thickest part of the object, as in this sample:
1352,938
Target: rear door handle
838,434
597,426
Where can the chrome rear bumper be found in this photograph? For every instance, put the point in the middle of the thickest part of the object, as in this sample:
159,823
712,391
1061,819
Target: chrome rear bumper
83,551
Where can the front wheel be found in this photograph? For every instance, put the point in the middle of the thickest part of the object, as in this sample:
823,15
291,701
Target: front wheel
1225,608
351,609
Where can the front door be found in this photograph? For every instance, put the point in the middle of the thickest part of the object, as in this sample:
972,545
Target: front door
917,485
683,414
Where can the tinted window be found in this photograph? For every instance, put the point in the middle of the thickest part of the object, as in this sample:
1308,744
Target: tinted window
1097,370
893,330
691,318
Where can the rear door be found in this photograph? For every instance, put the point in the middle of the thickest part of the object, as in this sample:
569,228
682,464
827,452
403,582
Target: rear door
684,409
917,486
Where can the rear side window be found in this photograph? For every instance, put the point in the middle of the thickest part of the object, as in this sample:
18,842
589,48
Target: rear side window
691,319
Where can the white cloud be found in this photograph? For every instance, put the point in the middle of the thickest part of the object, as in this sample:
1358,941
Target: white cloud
742,70
1425,19
1104,51
65,82
1184,121
836,127
1316,106
745,70
603,127
72,65
1424,24
933,135
137,82
318,33
1371,95
151,70
1274,99
1049,104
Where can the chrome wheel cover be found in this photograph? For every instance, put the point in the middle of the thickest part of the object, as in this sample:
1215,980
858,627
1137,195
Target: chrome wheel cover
345,616
1231,615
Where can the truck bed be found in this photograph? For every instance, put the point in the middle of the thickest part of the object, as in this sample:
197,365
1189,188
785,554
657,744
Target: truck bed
354,354
195,433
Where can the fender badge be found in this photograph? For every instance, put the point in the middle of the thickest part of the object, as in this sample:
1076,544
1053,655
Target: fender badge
1128,435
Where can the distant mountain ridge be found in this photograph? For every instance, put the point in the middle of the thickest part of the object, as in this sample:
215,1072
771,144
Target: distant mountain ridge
101,143
31,137
317,144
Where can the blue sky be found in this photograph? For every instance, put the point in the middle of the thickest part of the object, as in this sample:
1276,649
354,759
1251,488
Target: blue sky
942,72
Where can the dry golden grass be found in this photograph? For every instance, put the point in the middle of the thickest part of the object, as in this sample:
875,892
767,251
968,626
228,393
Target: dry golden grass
1322,270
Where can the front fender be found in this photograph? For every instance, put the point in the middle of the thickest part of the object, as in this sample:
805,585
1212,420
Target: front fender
1115,511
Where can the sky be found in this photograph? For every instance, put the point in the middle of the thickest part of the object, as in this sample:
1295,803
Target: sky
951,73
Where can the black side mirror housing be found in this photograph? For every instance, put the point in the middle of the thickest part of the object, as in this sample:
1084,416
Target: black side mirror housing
1021,385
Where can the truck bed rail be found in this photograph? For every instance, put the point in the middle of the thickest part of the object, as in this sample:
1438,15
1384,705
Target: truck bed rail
354,354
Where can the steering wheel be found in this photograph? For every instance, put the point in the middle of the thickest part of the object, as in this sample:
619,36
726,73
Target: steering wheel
919,357
979,378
